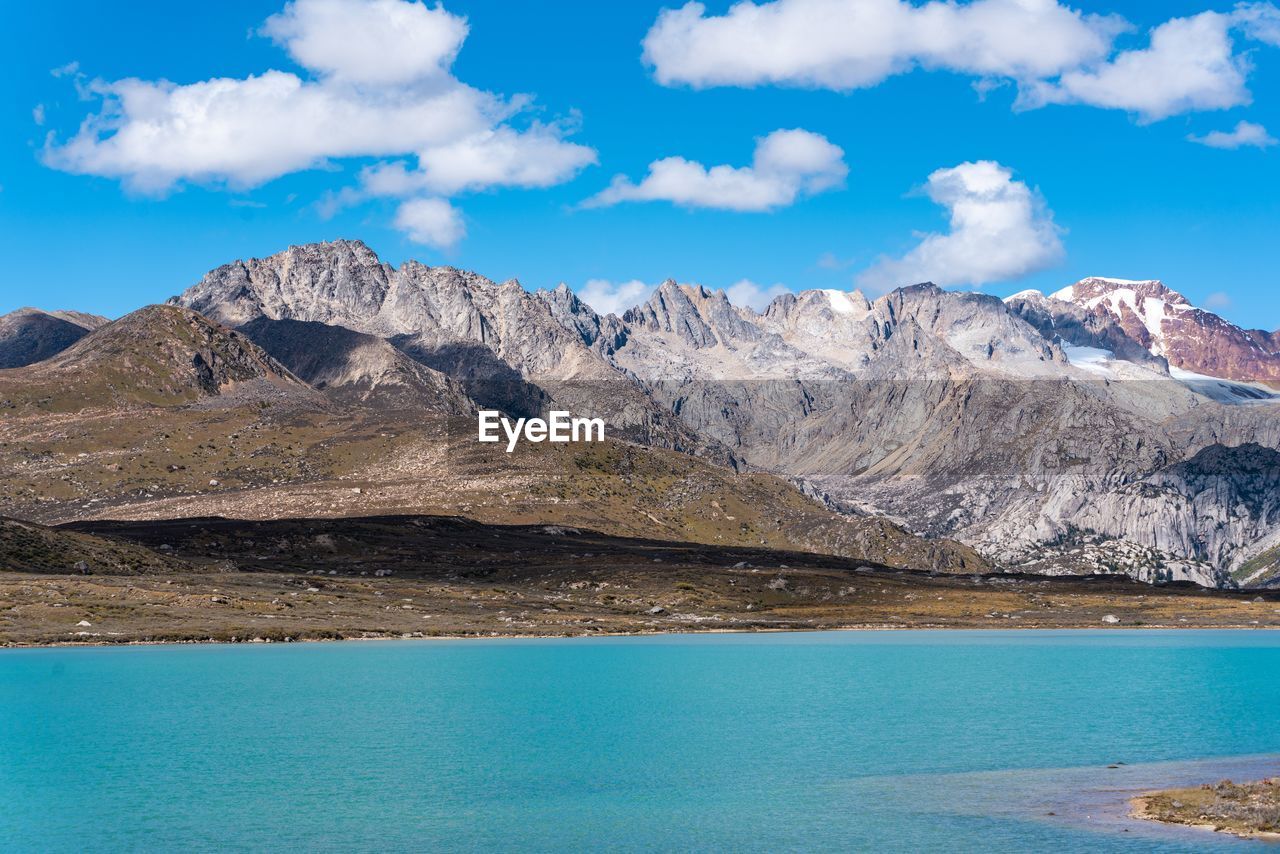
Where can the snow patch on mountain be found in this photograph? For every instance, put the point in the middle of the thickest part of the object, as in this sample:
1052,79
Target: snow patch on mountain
1092,359
1223,391
842,302
1114,281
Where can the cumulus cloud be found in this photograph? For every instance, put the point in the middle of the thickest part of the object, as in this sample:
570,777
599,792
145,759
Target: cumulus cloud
1190,64
1000,229
786,164
1242,135
608,297
748,294
498,157
243,133
1053,53
382,42
1259,21
851,44
431,222
378,85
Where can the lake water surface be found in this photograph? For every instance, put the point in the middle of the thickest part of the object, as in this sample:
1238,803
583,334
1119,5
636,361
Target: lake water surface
939,741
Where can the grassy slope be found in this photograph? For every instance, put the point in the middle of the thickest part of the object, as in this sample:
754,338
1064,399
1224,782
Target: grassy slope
26,547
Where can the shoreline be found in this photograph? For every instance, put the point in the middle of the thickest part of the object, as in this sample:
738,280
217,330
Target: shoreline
1141,808
690,631
588,595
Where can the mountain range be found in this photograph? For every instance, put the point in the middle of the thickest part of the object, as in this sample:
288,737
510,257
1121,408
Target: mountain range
1110,426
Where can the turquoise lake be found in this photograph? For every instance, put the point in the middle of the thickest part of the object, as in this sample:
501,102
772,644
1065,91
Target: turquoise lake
900,741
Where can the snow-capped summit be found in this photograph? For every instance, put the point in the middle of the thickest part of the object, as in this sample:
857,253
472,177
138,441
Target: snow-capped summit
1165,323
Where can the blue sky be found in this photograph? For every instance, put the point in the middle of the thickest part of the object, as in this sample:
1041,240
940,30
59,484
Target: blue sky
1090,172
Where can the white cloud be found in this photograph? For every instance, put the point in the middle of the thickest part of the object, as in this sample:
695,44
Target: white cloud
431,221
1259,21
499,157
1243,134
37,114
1217,300
850,44
1000,229
243,133
380,87
786,164
1055,54
1189,65
607,297
381,42
747,293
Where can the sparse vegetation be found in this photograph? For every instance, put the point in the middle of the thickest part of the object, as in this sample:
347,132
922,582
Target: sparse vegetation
1241,809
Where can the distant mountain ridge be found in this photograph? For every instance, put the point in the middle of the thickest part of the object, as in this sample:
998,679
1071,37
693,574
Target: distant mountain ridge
1048,432
906,405
31,335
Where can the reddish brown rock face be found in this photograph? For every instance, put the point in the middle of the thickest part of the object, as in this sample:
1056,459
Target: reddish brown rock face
1164,322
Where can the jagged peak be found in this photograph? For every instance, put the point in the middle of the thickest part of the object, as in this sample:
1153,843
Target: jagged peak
354,245
341,247
670,288
919,288
1094,289
1111,280
838,302
563,298
852,302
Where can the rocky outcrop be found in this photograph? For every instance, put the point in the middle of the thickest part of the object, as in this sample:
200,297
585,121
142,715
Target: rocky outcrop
354,367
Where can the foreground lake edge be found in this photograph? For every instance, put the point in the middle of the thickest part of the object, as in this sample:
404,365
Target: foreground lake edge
1210,807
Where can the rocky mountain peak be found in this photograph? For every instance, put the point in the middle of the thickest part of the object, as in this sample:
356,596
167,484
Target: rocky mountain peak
674,309
698,316
979,327
572,313
1165,323
1076,326
1096,288
316,281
